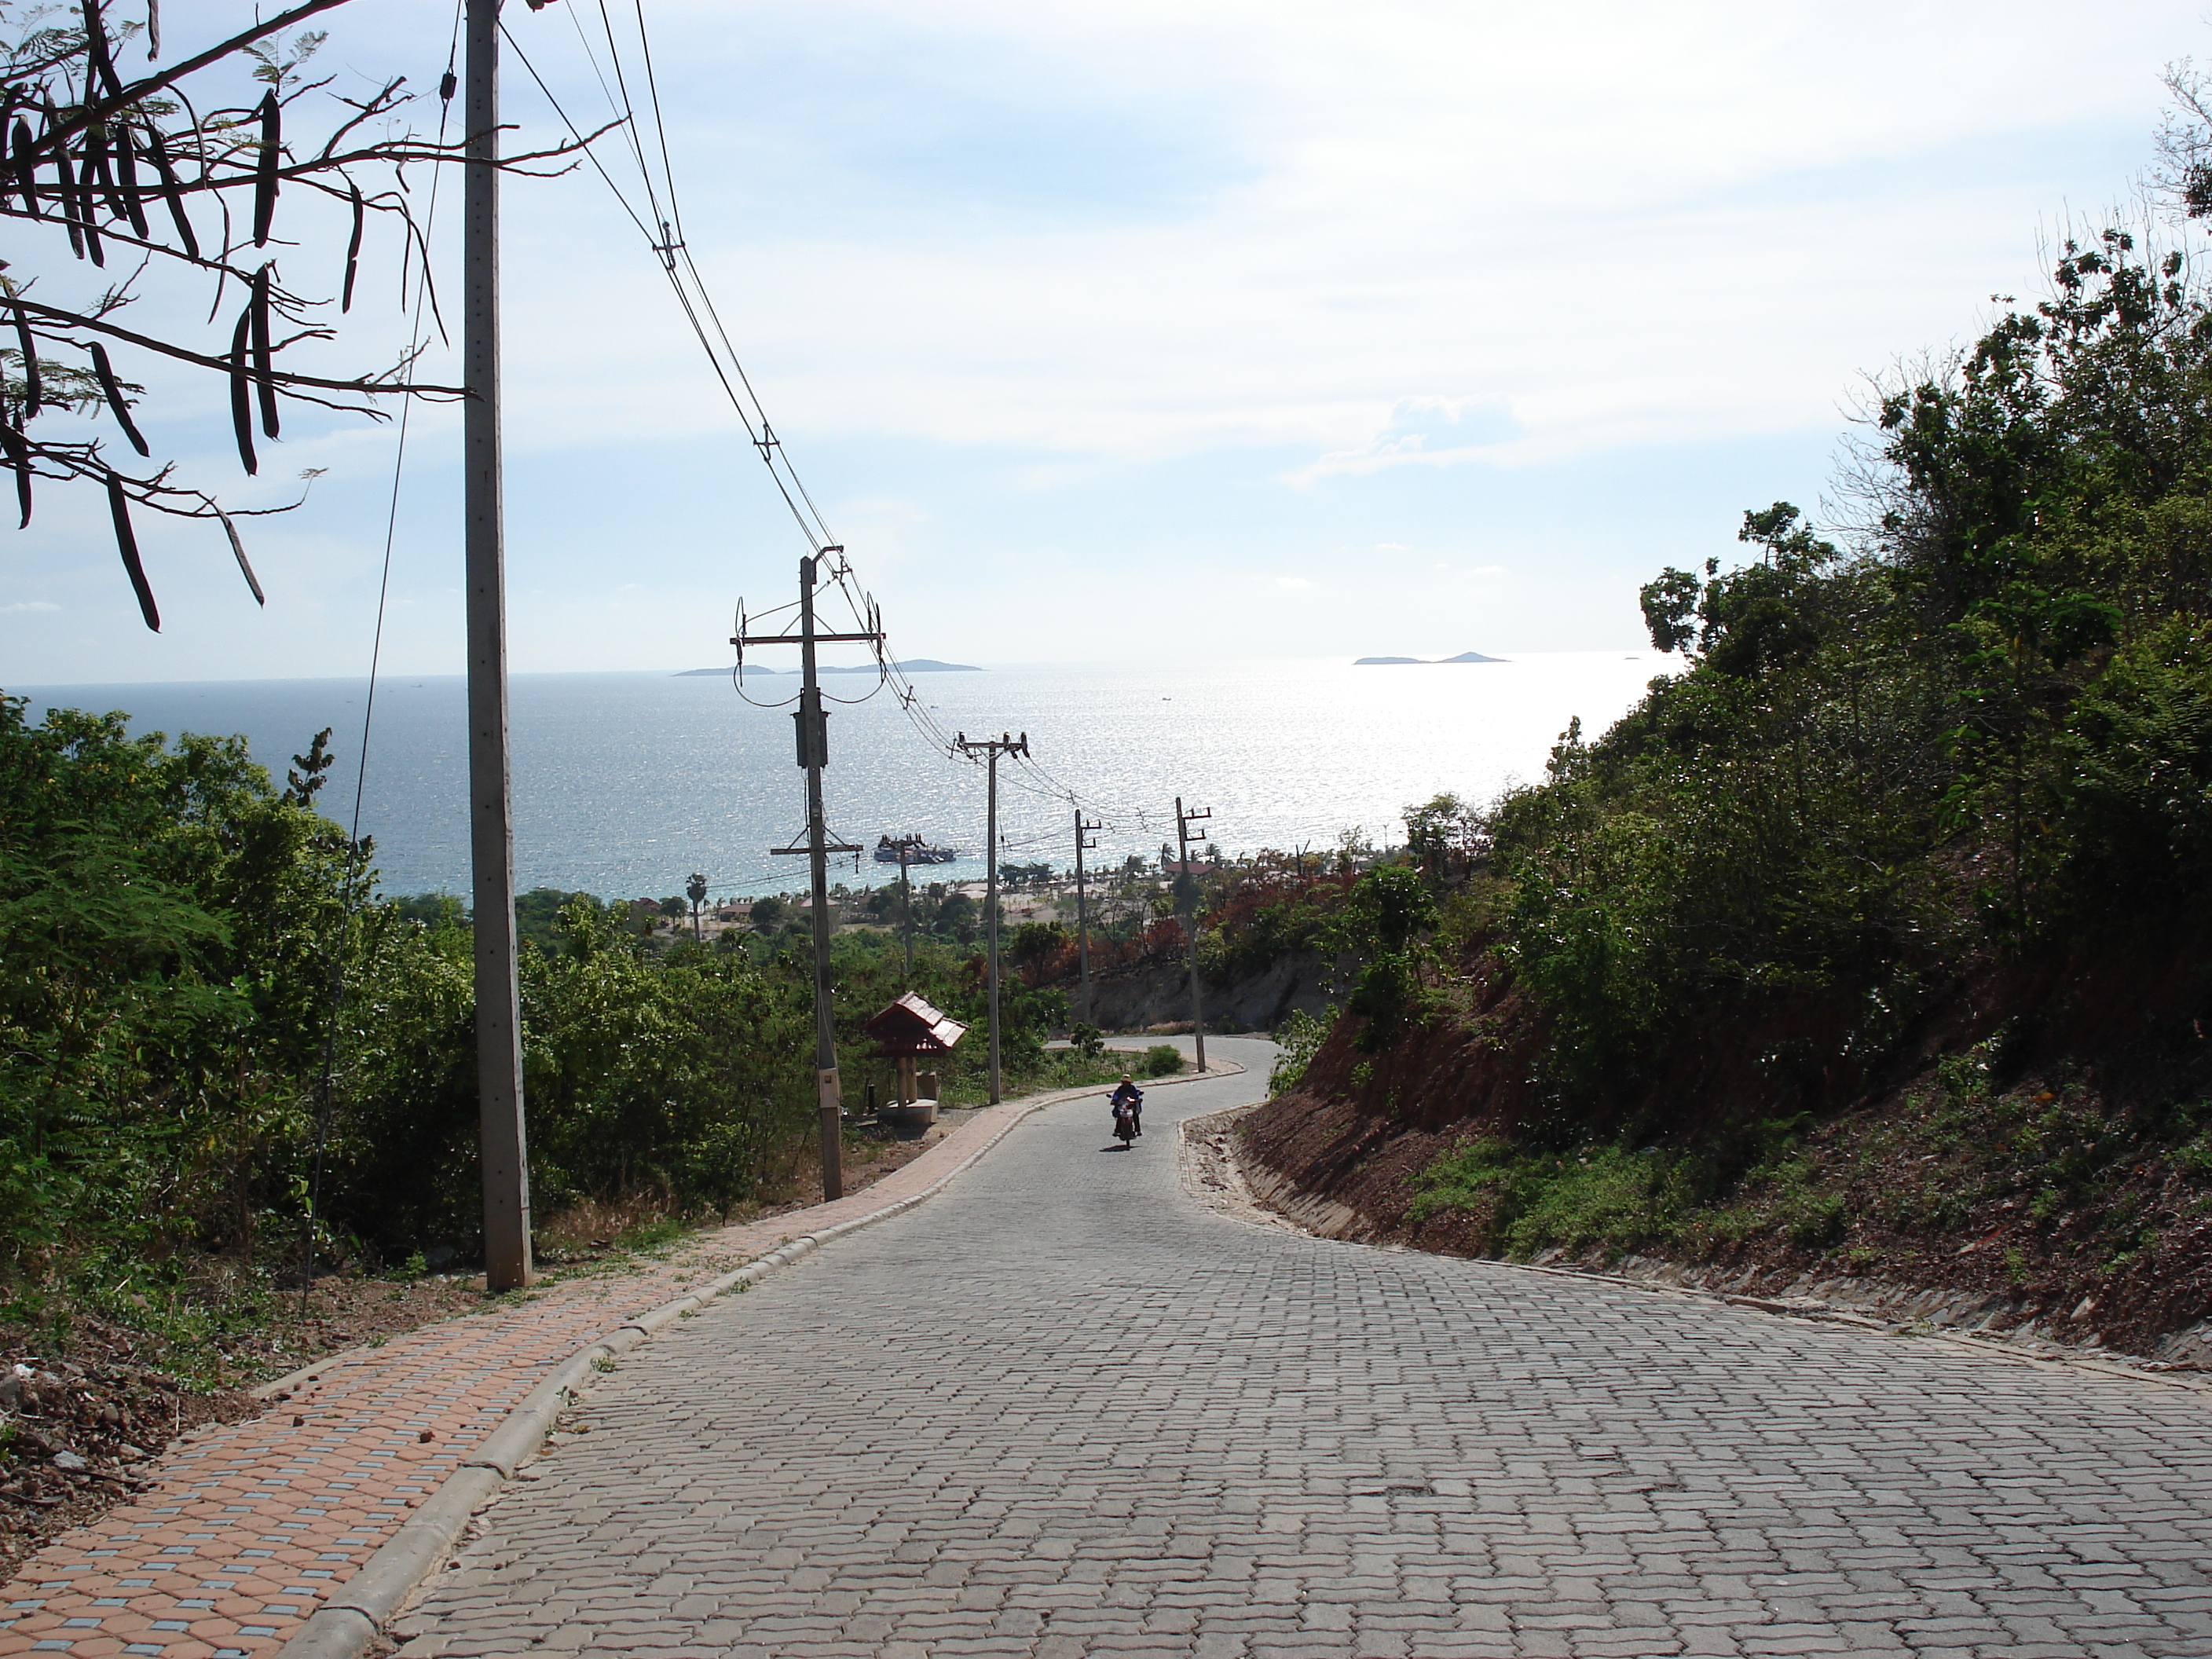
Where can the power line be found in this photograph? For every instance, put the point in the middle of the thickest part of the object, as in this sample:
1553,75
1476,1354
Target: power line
754,418
356,883
664,235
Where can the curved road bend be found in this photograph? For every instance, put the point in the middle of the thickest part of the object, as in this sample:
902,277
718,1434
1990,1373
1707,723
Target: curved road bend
1062,1409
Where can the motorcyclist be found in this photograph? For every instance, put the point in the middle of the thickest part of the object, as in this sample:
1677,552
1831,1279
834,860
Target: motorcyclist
1127,1093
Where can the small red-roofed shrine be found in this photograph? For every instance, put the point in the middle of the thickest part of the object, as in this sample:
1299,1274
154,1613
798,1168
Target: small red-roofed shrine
909,1029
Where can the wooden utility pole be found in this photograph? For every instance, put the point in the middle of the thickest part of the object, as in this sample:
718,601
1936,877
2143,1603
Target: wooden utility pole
993,748
1083,844
1184,837
504,1145
814,724
906,844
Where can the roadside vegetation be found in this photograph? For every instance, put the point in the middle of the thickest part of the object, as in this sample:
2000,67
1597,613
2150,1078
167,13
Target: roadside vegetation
1878,938
176,929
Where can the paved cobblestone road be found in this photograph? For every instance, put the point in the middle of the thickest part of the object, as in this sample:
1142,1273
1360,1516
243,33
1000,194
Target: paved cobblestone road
1061,1409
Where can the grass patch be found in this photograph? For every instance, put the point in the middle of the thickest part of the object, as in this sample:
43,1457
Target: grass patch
1526,1201
2006,1190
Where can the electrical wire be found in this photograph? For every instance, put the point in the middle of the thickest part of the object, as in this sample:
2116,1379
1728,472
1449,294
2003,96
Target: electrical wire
356,880
664,235
676,265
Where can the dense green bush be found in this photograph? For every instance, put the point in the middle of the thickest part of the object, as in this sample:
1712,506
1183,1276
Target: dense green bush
1161,1060
1968,745
1984,728
2136,754
682,1078
172,929
167,925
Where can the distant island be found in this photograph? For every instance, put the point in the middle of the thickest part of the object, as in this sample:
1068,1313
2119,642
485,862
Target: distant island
1428,662
911,665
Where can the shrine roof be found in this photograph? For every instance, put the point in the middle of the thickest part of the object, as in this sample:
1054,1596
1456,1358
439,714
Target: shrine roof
911,1026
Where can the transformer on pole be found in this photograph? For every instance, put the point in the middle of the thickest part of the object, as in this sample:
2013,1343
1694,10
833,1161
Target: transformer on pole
813,721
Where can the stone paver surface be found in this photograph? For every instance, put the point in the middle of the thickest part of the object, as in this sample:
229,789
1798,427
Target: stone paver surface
251,1526
1063,1409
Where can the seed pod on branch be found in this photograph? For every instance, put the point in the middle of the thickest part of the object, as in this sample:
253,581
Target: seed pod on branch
96,157
126,543
19,457
126,183
27,177
353,247
238,551
264,376
264,177
82,203
241,395
65,186
31,402
171,192
114,395
99,67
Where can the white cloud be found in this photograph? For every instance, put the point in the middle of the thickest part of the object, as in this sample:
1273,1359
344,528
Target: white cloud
28,604
1610,224
1051,303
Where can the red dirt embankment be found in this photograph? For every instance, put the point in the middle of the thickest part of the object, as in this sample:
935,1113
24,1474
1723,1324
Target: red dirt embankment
2028,1149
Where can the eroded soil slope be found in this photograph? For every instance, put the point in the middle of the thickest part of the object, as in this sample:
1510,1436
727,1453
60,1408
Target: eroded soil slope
2034,1157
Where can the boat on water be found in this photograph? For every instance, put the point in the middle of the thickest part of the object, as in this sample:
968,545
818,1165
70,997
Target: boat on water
917,851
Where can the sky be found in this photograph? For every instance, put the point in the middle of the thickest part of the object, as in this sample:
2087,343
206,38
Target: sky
1156,332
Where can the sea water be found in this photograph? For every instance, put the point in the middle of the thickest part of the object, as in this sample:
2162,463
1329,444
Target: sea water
625,784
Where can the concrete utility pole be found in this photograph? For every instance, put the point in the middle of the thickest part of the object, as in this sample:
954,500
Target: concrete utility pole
695,890
993,748
814,724
1184,837
1083,844
504,1143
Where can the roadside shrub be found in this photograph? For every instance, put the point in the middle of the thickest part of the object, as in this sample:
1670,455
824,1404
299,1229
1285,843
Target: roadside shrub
2138,788
1161,1060
1298,1041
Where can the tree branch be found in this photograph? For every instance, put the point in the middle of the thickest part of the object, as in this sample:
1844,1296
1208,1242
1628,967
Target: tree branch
222,365
92,114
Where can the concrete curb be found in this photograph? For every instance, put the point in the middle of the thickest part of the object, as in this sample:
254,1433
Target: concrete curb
348,1625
